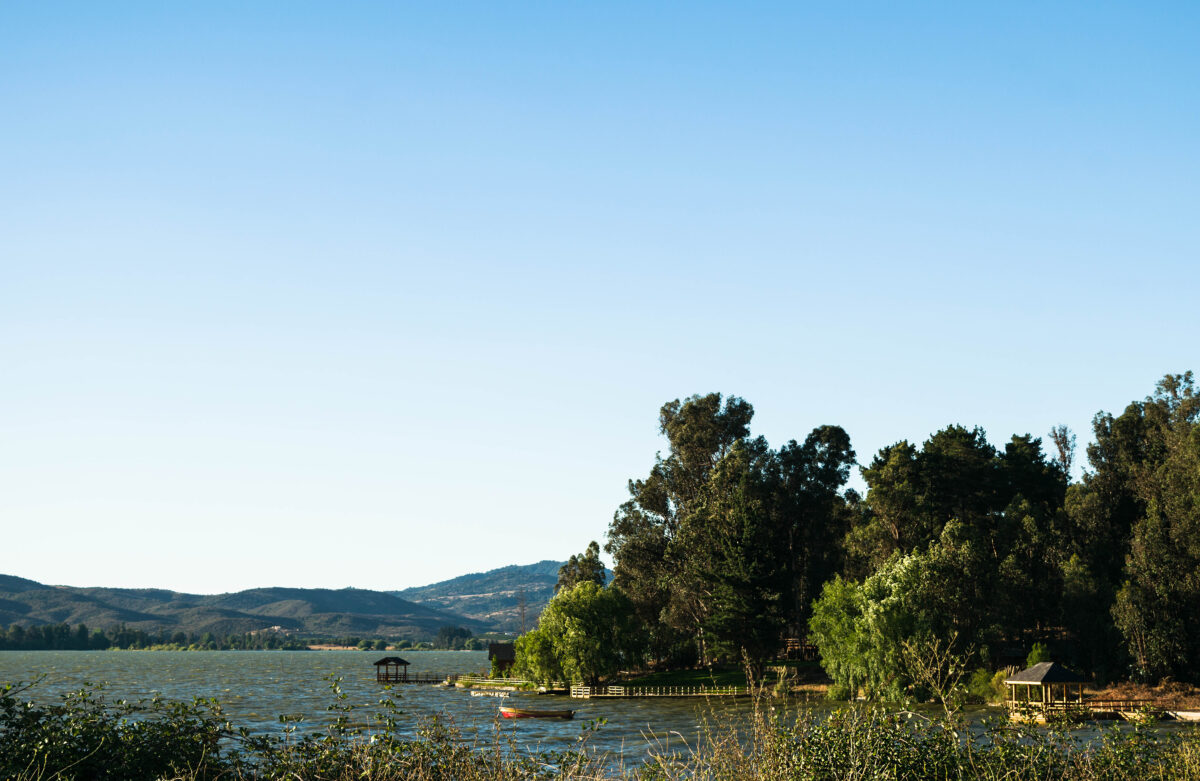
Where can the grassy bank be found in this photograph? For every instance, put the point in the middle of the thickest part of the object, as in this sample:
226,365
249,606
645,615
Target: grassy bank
85,737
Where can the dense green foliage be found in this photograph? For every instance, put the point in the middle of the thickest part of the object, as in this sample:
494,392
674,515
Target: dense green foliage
996,550
452,638
728,546
581,567
723,546
1158,605
585,634
86,737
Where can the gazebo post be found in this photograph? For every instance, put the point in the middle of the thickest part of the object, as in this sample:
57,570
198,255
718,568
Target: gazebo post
391,669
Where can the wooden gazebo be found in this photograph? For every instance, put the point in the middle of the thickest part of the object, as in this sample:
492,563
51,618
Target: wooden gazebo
1047,686
391,669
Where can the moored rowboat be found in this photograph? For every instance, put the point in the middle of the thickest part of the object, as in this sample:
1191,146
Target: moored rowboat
527,713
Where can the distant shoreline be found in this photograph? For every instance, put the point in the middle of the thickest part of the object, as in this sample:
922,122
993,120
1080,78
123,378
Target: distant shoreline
317,647
327,647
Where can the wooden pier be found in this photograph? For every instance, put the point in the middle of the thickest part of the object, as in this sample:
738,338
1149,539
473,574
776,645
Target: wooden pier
484,680
407,677
614,692
393,669
1127,709
1090,709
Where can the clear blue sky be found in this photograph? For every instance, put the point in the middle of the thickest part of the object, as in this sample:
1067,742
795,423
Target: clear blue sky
330,294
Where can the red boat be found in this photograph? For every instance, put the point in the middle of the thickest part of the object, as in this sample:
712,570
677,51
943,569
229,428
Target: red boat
528,713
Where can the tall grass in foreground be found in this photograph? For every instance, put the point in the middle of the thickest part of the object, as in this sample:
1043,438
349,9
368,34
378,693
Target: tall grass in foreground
84,736
871,743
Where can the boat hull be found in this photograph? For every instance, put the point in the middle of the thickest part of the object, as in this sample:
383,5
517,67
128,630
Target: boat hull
526,713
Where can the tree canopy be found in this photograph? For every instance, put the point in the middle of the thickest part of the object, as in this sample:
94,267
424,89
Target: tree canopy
586,633
724,544
1158,606
581,567
984,552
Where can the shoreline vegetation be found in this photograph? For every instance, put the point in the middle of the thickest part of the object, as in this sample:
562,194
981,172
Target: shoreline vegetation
963,562
84,736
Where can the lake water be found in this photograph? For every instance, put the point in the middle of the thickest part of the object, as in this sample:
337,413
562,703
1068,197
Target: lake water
255,687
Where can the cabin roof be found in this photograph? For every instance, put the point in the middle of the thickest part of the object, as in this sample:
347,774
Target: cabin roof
1046,672
502,652
391,660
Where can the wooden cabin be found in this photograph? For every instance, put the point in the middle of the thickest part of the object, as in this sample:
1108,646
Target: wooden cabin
1046,687
502,656
391,669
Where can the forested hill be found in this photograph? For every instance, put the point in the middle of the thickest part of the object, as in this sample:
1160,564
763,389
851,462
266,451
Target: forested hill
493,597
13,584
312,612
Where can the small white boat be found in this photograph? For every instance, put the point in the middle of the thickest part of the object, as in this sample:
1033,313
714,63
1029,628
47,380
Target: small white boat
488,694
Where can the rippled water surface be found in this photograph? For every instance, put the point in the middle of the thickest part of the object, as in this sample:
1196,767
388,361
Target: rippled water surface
255,687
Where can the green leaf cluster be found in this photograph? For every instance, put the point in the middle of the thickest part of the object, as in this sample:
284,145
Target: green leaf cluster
581,567
585,634
722,547
1158,605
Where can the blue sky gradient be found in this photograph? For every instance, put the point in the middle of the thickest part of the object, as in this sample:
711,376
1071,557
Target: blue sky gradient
374,295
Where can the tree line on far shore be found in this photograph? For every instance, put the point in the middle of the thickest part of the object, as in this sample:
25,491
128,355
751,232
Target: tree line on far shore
62,637
728,546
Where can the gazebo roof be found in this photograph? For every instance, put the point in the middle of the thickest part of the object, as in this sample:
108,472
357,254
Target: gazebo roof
1046,672
391,660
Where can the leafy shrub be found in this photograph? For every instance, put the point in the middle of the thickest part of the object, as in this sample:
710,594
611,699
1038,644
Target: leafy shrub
1038,654
987,686
86,737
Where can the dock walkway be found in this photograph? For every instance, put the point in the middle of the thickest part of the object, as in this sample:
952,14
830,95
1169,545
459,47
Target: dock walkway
1128,709
613,692
407,677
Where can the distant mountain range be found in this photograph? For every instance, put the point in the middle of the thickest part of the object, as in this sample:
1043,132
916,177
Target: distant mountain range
488,601
493,597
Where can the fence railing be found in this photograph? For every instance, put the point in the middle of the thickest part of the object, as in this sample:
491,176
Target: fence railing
405,677
484,680
1087,704
658,691
1123,704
